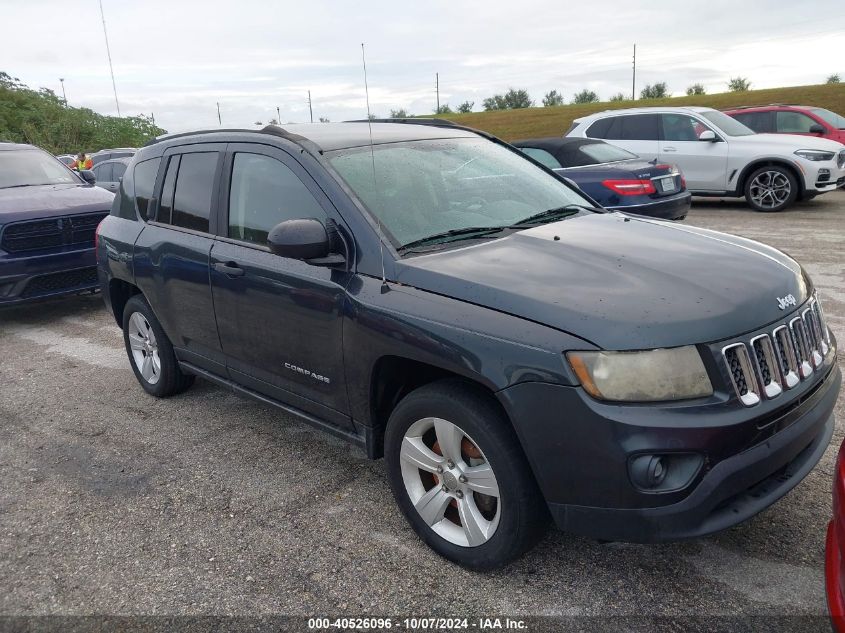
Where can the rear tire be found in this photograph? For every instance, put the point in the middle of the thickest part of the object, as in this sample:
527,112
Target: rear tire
150,351
771,188
446,508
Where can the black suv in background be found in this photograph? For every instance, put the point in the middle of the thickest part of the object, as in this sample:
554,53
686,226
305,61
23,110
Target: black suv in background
48,215
434,296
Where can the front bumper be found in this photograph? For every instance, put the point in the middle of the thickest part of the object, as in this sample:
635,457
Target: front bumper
33,276
580,449
822,177
672,208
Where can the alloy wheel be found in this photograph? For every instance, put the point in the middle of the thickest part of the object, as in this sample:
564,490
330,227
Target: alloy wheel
144,348
450,482
770,189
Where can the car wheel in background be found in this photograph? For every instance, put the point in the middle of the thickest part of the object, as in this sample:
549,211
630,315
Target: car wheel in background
771,188
150,351
459,475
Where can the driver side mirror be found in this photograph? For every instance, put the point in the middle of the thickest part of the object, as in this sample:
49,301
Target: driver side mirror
306,239
816,128
708,135
88,176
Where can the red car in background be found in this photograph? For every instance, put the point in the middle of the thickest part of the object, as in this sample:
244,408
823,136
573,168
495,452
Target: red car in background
791,119
834,560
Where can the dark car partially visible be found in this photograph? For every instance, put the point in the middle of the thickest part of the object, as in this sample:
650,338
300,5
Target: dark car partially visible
48,217
614,177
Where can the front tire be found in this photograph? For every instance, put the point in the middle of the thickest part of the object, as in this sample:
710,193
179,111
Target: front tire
150,351
460,477
771,189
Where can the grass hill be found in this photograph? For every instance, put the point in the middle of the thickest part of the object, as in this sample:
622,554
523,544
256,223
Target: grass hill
538,122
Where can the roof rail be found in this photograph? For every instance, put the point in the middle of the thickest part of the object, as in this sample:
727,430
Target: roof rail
762,105
430,122
274,130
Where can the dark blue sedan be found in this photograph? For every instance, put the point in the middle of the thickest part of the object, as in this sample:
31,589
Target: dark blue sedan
48,216
614,177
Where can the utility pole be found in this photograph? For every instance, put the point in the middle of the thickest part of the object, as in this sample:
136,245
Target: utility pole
310,109
108,53
64,96
634,76
437,90
153,117
219,120
278,116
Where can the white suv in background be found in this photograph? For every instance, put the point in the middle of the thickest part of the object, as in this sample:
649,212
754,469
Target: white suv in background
719,156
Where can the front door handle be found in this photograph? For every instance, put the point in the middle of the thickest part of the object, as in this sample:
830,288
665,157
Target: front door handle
229,268
669,149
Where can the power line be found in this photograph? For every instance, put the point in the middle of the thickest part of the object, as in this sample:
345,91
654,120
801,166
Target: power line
108,53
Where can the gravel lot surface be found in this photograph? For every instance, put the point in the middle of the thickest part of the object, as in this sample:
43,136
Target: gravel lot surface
113,502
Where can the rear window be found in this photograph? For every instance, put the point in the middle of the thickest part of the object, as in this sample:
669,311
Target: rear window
631,127
194,189
596,153
145,179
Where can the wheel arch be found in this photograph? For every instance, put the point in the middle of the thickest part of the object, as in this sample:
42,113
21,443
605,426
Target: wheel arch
769,162
394,377
120,292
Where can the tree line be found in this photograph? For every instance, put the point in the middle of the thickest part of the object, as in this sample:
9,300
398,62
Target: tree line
515,99
42,118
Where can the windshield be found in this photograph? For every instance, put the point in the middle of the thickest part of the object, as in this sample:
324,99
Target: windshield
831,118
425,188
605,153
23,167
728,125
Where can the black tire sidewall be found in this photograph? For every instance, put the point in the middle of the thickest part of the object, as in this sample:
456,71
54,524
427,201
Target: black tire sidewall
522,517
793,184
171,380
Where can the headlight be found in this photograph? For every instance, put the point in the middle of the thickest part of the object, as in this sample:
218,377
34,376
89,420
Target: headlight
815,154
660,374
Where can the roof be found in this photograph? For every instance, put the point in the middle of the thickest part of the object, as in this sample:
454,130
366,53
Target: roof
123,159
10,146
332,136
768,106
557,142
646,110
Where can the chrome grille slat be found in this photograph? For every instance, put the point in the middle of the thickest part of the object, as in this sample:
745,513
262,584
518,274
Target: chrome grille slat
742,373
825,333
814,337
786,356
802,347
768,367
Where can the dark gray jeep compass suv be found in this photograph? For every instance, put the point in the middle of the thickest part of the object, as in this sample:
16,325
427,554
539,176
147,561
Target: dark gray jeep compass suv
431,294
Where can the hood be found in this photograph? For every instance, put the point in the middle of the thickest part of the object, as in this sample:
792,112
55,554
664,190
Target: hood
46,201
619,281
791,142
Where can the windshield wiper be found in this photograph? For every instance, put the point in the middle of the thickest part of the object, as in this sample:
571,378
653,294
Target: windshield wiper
556,213
29,184
443,237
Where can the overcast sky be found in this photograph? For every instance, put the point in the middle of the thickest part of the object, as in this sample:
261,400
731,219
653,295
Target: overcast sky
178,58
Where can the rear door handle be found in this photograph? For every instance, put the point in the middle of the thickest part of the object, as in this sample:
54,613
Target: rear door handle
669,149
229,268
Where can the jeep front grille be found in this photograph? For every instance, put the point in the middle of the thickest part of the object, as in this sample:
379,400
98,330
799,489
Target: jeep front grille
770,364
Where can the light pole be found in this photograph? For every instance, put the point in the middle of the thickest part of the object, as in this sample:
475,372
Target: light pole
64,96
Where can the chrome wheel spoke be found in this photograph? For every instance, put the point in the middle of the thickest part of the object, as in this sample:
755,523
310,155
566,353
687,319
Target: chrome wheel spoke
474,524
147,367
481,479
432,505
449,439
136,342
417,453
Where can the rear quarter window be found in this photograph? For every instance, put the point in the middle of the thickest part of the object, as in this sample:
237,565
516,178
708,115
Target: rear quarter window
144,177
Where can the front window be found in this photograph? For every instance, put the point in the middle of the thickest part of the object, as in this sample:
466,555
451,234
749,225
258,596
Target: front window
831,118
27,168
425,188
726,124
